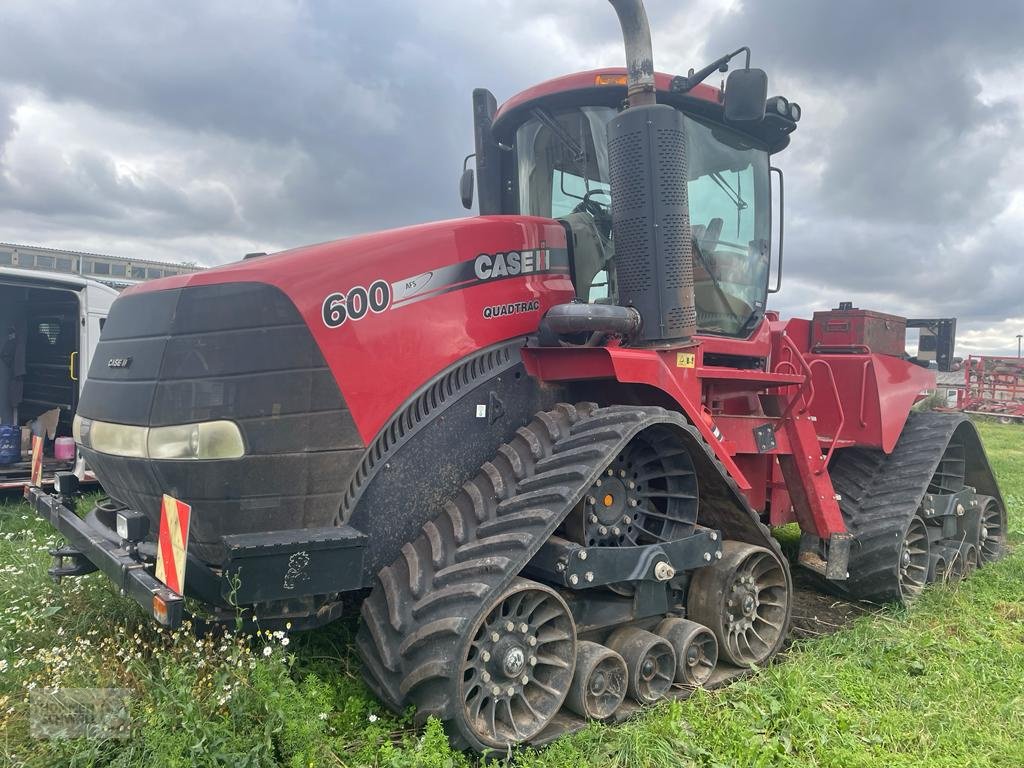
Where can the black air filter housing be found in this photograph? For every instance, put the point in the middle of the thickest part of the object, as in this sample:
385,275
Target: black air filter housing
651,221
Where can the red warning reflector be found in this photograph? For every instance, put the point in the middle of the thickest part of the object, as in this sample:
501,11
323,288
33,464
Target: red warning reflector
172,544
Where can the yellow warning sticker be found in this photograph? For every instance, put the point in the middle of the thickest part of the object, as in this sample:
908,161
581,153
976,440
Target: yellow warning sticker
685,360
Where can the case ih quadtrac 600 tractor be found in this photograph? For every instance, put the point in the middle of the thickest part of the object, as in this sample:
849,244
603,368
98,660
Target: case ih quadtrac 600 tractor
543,446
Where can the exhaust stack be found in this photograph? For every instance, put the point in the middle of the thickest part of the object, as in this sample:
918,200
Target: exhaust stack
636,33
650,208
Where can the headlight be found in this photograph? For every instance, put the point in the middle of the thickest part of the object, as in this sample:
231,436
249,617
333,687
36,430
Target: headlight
118,439
208,440
80,430
205,440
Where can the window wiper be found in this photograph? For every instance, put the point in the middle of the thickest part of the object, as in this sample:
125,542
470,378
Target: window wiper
735,195
579,154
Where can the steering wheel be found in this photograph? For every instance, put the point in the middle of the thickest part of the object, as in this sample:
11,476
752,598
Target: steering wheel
591,206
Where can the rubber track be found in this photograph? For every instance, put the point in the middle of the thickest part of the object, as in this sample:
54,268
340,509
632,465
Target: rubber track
416,619
879,496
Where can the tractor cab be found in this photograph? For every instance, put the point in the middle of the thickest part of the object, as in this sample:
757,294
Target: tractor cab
545,153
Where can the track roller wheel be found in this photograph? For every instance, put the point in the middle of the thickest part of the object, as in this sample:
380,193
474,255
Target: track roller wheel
517,665
599,684
992,533
914,559
937,567
696,650
955,569
650,662
745,599
970,555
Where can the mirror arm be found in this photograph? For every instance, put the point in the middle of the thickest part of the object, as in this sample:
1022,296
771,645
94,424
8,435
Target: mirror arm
782,219
684,84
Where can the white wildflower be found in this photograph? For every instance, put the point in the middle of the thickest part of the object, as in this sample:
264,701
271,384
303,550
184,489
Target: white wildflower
323,715
373,718
267,651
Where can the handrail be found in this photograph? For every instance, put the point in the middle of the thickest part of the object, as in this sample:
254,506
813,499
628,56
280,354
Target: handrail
863,391
808,384
842,413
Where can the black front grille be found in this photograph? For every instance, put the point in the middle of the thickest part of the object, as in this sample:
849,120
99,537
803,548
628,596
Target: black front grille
236,351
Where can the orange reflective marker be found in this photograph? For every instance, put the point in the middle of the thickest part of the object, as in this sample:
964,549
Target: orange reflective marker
36,477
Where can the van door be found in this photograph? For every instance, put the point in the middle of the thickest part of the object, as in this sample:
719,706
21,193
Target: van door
51,355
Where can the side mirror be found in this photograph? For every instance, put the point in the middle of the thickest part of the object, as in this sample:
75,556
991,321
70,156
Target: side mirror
746,91
466,188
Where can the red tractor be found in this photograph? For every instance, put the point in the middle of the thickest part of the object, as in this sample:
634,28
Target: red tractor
542,447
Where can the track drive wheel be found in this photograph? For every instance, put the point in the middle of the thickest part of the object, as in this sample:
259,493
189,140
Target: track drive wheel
696,650
745,599
517,665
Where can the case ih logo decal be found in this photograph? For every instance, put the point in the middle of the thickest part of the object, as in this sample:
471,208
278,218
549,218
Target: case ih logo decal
488,267
356,303
119,362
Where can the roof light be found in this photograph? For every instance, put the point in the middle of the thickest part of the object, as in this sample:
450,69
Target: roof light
795,111
610,79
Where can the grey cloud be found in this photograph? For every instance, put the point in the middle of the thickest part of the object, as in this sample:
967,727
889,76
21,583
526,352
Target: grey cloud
302,121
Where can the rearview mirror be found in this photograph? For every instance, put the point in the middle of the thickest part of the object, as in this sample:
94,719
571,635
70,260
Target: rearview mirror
466,188
746,91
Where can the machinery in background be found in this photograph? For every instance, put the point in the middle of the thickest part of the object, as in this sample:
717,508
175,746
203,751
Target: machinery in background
993,386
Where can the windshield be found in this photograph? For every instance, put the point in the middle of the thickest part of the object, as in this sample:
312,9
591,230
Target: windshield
562,165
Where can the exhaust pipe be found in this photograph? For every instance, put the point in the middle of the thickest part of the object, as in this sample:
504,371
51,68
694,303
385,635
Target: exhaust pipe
636,33
566,319
650,206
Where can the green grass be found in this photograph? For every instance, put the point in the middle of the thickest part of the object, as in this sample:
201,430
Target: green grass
939,685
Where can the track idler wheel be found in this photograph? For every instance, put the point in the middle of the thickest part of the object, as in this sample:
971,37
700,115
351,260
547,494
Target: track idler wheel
914,559
650,663
745,599
938,567
518,665
600,682
992,533
696,650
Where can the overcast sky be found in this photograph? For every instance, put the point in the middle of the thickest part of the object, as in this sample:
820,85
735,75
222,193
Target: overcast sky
201,130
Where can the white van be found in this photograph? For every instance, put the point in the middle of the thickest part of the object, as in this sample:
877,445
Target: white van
49,326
